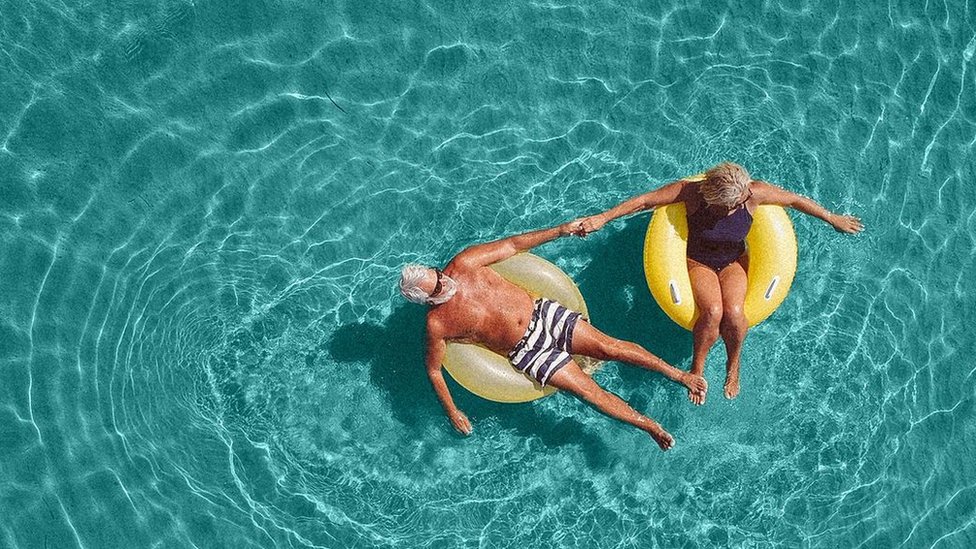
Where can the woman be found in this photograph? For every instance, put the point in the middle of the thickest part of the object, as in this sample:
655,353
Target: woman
720,209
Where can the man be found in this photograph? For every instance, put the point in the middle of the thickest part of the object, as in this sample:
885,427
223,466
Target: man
470,302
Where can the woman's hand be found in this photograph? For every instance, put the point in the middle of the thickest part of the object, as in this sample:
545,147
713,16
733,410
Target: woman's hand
846,223
586,225
460,422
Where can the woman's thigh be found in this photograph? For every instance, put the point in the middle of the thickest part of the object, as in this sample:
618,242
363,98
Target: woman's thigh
705,286
733,283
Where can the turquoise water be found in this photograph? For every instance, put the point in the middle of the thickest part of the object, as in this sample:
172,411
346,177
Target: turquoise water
204,207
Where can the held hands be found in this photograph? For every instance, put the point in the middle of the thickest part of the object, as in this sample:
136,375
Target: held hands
846,224
460,422
586,225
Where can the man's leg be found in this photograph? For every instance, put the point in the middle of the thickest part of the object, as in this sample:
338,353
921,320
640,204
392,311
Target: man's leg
571,378
589,341
708,298
734,325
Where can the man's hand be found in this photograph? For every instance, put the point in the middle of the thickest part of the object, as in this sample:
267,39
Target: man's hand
569,228
846,224
460,422
586,225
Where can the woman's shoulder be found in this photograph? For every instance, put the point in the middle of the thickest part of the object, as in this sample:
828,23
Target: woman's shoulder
691,197
691,190
762,191
684,190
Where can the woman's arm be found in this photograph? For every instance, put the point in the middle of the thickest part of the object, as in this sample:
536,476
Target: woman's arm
764,193
668,194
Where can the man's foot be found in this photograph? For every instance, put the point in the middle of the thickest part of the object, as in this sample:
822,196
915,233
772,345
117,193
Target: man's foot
697,387
695,383
732,385
662,438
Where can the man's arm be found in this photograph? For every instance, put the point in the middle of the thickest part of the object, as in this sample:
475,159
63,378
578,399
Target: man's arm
765,193
436,346
488,253
668,194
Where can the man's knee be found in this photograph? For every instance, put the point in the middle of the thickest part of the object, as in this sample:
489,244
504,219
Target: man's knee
609,347
597,345
590,392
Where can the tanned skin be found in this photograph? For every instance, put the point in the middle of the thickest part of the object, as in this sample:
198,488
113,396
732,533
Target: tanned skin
491,311
720,295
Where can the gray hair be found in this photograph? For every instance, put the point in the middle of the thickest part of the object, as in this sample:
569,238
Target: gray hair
724,184
413,275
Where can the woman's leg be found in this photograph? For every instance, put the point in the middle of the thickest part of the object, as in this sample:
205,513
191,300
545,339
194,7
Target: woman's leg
708,298
734,325
571,378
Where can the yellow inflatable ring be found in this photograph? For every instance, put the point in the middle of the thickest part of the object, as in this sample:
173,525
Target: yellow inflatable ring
772,249
492,376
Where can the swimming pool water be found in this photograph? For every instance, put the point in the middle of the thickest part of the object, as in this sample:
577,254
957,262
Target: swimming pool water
204,207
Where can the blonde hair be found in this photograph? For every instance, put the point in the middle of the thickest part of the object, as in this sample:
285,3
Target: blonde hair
724,184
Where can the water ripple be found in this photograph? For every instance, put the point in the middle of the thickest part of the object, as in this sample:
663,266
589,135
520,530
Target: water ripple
205,208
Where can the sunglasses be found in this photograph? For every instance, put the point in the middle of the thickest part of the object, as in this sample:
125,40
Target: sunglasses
437,287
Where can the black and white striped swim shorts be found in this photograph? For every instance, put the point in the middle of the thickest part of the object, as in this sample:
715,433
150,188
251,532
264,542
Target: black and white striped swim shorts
547,343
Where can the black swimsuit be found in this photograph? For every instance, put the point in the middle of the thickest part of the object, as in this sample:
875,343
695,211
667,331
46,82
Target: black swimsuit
718,239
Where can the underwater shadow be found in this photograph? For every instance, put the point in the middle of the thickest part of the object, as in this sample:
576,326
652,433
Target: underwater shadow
621,305
395,353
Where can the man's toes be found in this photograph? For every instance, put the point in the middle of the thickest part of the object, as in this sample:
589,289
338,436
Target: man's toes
665,441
